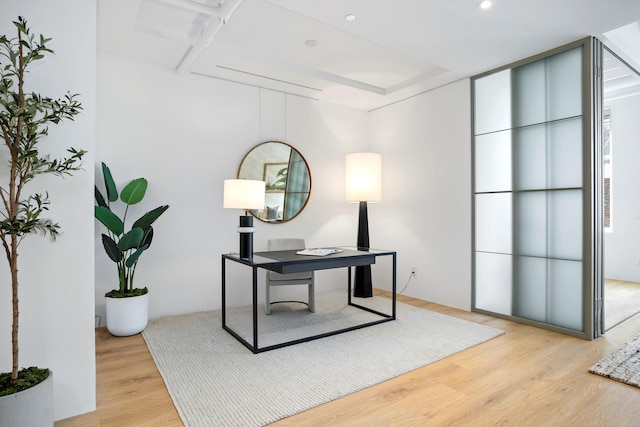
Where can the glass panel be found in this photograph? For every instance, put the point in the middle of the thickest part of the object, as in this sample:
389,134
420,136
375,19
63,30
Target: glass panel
493,282
548,155
564,85
493,222
549,291
548,224
566,294
492,110
565,224
529,94
493,162
565,153
548,89
530,224
530,158
530,288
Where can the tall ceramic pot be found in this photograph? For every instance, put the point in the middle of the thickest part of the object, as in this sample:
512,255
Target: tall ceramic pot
29,408
127,316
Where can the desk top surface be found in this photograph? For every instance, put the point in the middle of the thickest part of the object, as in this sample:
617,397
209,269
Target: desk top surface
289,261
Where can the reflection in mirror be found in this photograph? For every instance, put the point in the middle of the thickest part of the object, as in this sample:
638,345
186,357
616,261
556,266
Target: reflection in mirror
287,180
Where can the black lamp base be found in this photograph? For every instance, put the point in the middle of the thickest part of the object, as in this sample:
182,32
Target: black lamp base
246,237
363,287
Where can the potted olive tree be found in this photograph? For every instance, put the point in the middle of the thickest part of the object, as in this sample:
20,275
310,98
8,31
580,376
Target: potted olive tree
127,307
24,121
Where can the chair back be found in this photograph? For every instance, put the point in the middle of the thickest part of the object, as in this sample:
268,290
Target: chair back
285,244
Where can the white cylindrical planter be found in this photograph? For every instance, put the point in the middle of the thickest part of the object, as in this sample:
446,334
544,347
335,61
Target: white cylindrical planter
127,316
28,408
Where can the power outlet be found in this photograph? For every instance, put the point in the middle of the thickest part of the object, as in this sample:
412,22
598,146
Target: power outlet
414,272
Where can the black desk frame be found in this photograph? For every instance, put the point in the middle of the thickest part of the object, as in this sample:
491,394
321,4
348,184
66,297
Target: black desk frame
288,262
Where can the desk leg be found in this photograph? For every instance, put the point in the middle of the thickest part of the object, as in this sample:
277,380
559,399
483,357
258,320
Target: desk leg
393,293
349,285
255,309
224,283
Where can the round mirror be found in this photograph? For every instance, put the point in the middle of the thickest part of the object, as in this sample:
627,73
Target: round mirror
287,180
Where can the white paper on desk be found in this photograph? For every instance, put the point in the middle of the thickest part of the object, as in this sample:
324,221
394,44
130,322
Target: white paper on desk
319,252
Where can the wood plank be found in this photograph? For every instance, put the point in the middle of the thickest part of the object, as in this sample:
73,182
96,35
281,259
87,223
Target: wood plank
526,377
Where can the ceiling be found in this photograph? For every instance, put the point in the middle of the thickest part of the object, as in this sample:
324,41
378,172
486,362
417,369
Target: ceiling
391,51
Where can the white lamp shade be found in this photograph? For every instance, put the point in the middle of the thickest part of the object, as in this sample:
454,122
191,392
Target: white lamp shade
363,177
243,194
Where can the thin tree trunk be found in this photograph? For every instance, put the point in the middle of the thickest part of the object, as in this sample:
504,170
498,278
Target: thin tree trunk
16,314
15,187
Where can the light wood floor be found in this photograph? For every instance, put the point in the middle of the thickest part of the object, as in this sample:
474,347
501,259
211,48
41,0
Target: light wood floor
526,377
621,301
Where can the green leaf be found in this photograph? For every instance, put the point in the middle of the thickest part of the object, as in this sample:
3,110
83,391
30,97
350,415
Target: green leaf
99,198
109,220
111,248
109,184
148,237
133,259
131,240
134,191
149,218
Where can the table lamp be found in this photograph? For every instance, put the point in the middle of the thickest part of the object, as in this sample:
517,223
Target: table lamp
363,183
244,194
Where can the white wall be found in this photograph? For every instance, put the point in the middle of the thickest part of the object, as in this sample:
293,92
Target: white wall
621,250
426,209
186,134
56,278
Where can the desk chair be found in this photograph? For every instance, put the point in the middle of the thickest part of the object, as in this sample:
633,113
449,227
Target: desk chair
277,279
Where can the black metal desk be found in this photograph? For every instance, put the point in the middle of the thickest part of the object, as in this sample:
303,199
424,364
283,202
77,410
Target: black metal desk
288,262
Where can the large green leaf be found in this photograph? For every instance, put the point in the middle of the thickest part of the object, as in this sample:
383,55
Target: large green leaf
134,256
147,219
109,219
131,240
109,184
134,191
111,248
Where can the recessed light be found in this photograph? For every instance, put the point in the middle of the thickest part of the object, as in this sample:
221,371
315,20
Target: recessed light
485,4
350,17
311,43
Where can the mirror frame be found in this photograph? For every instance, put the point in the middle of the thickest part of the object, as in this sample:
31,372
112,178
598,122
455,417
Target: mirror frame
252,212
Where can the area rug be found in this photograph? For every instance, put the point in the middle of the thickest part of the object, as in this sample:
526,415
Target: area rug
215,381
622,365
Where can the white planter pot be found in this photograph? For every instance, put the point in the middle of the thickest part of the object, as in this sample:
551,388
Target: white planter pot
127,316
28,408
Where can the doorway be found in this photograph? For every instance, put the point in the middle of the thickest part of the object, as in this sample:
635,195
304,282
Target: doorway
621,196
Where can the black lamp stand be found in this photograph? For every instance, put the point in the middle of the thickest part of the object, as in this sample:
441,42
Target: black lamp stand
363,287
246,236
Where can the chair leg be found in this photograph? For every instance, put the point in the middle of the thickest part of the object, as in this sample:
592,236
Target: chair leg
312,298
267,302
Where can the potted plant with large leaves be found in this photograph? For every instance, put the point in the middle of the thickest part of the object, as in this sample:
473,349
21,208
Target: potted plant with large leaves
26,395
127,307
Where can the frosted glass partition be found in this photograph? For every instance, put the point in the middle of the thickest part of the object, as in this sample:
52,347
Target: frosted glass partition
548,89
545,291
548,224
493,282
493,103
529,195
544,155
493,223
493,162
